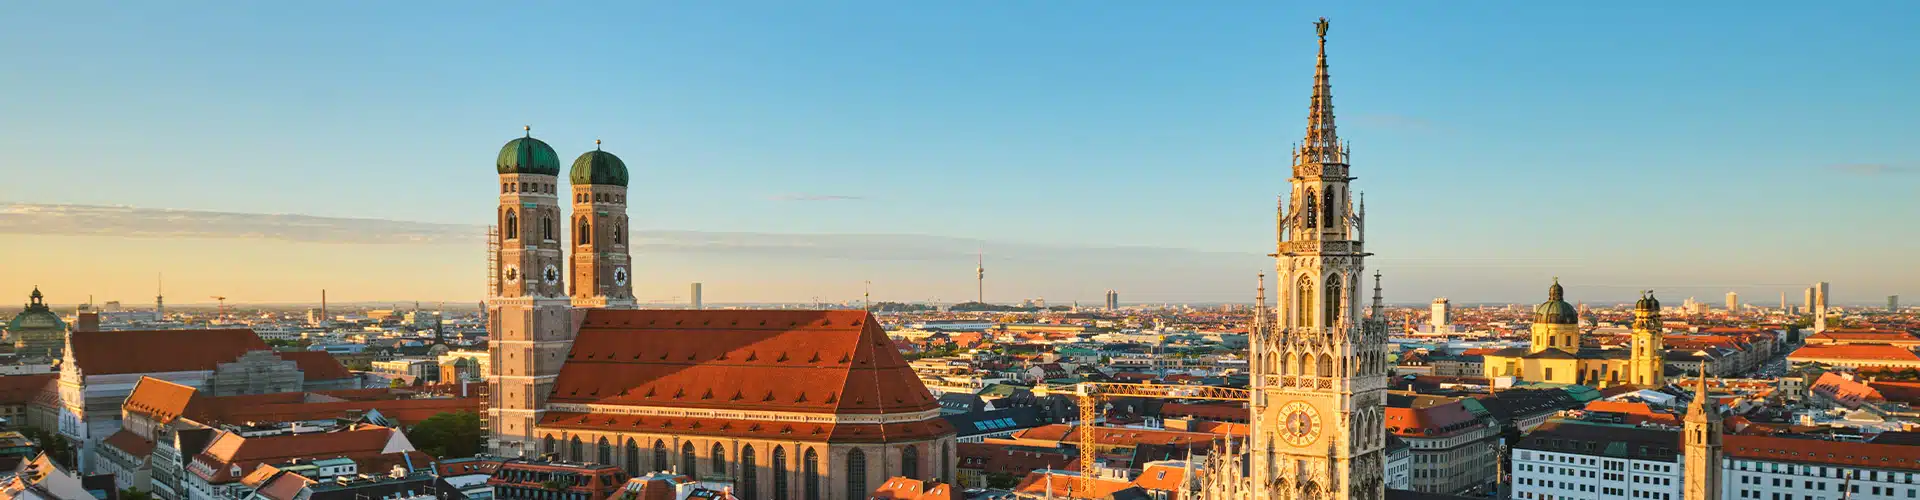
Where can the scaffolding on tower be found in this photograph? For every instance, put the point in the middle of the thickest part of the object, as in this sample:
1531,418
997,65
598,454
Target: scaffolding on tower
493,260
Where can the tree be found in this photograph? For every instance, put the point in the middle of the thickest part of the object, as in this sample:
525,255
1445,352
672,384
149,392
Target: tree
132,494
54,445
448,435
1001,480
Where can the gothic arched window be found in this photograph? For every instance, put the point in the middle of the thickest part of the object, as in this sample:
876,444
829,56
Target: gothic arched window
810,470
575,451
1288,365
547,445
546,228
1303,302
780,473
749,473
688,460
1328,206
633,458
606,452
1333,299
856,473
585,232
512,225
910,462
660,455
619,232
946,450
1310,216
719,459
1326,365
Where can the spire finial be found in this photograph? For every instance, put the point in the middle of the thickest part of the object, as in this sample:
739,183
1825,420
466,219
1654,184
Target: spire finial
528,128
1322,145
596,144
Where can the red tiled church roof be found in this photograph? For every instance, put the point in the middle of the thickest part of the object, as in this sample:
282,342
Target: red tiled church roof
795,361
837,433
22,389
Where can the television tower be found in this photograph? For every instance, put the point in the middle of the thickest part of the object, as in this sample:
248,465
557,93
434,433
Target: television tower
160,298
980,277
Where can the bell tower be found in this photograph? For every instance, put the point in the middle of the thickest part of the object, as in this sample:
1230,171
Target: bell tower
1648,361
1320,379
529,318
600,260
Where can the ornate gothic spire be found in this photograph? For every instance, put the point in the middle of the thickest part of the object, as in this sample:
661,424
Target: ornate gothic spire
1322,144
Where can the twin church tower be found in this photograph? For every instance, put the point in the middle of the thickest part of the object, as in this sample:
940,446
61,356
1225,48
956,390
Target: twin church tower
543,273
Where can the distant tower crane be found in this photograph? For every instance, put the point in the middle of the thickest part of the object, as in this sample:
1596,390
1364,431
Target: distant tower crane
222,309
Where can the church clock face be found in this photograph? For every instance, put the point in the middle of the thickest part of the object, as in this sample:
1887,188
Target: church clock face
513,274
551,275
620,276
1302,423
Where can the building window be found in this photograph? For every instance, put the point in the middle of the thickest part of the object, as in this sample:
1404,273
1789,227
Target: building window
633,457
1303,302
749,473
512,225
857,474
606,452
619,233
1328,207
719,460
660,455
585,232
810,464
779,473
689,460
910,462
575,451
547,446
546,229
1332,302
1309,214
946,450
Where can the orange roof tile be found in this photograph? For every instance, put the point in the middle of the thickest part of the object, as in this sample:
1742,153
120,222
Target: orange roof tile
131,443
1855,351
214,464
1116,436
164,401
1038,483
1780,449
22,389
106,353
798,431
903,488
797,361
316,365
1162,477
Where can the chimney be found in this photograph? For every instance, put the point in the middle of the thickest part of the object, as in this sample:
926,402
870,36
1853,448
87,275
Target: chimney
87,322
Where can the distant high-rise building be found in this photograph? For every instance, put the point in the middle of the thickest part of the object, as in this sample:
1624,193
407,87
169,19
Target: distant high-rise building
1819,307
695,294
1808,303
1783,304
1442,314
1733,302
1113,300
1893,303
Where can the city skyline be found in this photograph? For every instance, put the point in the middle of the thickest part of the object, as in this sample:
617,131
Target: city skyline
884,151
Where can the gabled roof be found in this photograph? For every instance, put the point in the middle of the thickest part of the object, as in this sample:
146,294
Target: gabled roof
1783,449
316,365
164,401
1855,352
796,361
22,389
215,464
107,353
903,488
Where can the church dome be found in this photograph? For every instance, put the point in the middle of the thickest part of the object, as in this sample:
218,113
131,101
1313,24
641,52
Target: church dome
527,155
36,317
599,167
1647,303
1556,310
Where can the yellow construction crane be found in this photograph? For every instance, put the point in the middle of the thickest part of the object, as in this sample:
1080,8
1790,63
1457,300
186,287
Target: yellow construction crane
1089,394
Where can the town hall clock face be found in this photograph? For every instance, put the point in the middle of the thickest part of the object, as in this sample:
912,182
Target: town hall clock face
620,276
1302,423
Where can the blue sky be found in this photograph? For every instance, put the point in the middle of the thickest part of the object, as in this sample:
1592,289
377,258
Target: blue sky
1718,145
